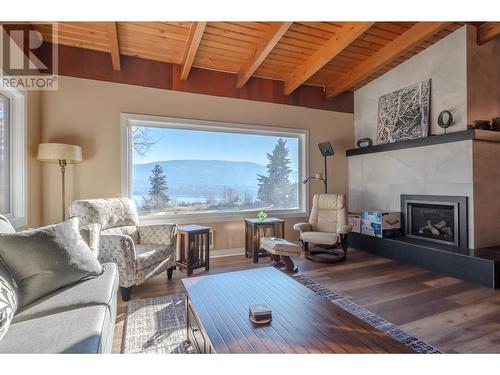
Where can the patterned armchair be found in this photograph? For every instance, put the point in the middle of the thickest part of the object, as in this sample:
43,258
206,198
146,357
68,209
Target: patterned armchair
140,251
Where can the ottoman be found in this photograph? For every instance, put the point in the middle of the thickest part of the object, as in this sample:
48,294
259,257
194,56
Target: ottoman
279,247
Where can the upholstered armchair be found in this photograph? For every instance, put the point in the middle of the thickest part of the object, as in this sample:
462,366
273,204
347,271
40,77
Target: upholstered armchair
327,228
140,251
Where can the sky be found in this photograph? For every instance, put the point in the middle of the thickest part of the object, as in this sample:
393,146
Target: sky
180,144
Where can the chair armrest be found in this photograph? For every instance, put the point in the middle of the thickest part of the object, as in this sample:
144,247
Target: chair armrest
344,229
157,234
303,227
91,235
120,249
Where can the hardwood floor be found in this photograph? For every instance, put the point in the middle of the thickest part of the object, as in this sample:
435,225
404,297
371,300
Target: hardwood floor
453,315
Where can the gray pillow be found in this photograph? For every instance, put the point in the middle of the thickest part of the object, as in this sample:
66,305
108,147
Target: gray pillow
46,259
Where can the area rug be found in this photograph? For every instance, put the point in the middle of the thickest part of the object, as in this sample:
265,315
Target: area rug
158,325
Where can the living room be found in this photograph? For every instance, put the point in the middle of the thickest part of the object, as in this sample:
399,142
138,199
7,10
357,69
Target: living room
262,184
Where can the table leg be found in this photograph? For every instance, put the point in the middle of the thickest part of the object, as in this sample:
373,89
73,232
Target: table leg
289,265
190,250
207,251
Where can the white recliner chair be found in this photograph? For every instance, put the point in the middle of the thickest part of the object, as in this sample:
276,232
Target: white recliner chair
327,228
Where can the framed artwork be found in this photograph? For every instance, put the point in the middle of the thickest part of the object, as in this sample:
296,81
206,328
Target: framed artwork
404,114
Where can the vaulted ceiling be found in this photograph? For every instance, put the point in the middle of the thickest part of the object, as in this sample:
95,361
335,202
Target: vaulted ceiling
339,56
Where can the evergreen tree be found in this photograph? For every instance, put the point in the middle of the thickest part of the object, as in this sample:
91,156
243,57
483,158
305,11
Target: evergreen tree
275,189
157,196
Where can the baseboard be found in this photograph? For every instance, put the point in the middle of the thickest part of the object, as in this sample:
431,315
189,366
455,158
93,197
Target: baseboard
227,252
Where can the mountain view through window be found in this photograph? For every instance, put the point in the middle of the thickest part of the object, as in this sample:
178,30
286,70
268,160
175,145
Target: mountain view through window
182,171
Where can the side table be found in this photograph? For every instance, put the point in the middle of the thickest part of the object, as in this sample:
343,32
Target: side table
193,248
255,229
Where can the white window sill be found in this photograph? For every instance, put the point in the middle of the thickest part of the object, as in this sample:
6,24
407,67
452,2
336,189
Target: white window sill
215,218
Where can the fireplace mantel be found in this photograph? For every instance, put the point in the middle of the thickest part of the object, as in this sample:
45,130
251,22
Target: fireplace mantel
464,135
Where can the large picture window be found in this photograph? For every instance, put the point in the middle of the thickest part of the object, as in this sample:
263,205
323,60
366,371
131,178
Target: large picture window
184,167
4,155
13,156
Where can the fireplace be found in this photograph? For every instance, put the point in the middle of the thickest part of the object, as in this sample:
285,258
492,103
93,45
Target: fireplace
436,218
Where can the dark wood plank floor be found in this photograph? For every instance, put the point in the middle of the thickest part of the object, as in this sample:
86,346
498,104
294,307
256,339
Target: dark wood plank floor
453,315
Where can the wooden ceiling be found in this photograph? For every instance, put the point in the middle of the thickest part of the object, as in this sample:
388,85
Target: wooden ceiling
339,56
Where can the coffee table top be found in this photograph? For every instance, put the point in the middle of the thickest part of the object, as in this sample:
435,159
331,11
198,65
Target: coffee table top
303,322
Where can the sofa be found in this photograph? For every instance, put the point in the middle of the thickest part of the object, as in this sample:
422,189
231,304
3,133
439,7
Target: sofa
76,319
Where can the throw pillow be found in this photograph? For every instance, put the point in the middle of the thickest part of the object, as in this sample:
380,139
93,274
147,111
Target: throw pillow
5,225
8,299
46,259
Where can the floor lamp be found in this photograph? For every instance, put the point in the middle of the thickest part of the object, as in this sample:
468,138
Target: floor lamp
325,253
63,155
326,150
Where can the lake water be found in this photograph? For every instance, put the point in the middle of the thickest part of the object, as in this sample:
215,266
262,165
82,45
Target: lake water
179,198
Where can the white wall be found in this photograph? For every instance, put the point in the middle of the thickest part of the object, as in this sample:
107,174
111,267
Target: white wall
376,181
444,62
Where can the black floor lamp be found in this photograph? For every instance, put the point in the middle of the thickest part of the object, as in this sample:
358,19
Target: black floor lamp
326,150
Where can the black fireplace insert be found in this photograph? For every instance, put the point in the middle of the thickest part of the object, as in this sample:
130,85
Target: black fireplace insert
437,218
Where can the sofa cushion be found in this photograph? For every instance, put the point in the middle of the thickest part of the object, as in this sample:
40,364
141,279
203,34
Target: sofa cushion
85,330
46,259
100,290
149,255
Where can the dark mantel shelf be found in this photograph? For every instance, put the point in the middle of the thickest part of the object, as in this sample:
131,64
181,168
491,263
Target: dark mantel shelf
464,135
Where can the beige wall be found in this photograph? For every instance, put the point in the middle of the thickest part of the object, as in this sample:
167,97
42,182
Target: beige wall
87,113
486,192
483,77
34,168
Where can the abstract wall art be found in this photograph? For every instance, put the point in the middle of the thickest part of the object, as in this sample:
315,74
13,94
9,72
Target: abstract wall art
404,114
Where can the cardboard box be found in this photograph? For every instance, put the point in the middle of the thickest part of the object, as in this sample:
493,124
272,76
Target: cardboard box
381,224
354,219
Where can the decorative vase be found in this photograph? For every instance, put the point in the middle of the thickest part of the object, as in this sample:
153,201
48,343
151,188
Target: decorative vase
364,142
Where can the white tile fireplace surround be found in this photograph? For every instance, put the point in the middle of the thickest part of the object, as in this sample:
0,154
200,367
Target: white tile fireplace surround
377,180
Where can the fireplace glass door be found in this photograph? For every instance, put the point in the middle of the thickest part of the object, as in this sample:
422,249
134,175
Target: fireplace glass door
433,221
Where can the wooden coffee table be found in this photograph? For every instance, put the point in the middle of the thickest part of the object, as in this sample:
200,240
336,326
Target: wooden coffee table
303,322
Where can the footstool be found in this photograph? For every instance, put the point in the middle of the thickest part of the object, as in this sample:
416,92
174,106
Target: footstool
279,247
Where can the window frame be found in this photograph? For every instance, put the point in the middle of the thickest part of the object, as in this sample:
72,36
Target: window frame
129,120
17,153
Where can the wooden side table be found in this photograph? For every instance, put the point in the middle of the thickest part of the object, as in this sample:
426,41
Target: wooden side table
255,229
193,248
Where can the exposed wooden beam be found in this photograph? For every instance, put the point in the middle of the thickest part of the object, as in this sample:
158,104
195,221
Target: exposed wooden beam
337,43
403,43
487,31
264,47
114,45
192,44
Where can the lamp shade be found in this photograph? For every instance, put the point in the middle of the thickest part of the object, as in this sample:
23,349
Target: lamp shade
53,152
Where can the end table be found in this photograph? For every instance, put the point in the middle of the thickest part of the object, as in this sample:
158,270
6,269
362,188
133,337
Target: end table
255,229
193,248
